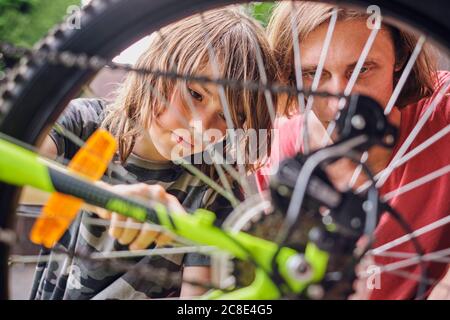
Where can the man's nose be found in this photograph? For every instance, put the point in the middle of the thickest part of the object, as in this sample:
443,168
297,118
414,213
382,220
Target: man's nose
337,86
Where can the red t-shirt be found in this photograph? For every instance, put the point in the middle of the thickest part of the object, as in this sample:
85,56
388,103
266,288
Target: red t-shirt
422,205
419,207
287,134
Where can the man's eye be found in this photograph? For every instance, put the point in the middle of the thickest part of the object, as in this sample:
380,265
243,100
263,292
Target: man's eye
221,115
364,70
197,96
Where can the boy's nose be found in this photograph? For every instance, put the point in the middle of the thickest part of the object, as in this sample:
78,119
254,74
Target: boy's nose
207,118
201,123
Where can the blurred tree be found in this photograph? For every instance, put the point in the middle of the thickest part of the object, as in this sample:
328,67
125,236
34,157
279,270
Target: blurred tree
23,22
20,5
261,11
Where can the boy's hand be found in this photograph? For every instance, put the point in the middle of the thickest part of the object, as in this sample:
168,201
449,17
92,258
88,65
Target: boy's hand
129,231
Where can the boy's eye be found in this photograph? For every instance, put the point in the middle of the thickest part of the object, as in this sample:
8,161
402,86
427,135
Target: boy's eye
309,74
197,96
291,78
221,115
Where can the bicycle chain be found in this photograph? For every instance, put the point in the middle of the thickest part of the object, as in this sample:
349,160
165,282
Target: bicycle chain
96,63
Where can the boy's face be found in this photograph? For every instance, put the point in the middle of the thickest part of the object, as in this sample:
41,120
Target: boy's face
190,118
349,37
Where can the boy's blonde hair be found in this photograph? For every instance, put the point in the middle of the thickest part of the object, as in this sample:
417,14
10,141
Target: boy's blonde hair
309,16
182,47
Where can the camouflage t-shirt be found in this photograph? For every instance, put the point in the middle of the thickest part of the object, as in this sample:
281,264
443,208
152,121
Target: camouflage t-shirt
80,278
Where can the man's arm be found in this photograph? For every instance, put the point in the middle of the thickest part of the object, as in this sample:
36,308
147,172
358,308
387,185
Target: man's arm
196,274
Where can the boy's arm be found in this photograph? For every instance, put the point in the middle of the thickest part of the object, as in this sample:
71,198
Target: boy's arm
48,148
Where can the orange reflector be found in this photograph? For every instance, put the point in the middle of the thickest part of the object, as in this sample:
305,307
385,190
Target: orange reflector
58,213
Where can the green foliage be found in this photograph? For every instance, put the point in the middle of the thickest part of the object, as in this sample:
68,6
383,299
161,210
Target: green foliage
23,22
20,5
261,11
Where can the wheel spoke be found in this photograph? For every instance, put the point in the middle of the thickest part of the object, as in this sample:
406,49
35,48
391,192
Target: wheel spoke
434,138
407,275
406,255
439,135
196,172
427,228
297,59
114,254
240,210
414,132
353,78
416,183
262,72
316,79
358,170
199,137
401,82
414,260
226,108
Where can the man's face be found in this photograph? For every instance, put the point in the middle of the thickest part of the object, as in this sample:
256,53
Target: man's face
349,37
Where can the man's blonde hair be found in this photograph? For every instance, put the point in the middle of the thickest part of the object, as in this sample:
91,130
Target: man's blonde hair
308,16
235,39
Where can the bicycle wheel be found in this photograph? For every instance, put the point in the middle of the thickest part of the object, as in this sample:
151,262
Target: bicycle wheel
29,107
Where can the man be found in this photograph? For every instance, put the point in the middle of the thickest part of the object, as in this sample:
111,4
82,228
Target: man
425,93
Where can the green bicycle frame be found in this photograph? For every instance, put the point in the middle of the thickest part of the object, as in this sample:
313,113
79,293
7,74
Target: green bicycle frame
21,167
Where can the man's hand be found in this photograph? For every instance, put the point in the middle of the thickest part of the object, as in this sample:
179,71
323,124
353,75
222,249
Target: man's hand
442,290
341,171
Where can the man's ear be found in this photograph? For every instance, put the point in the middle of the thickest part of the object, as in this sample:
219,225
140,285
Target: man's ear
400,64
398,67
